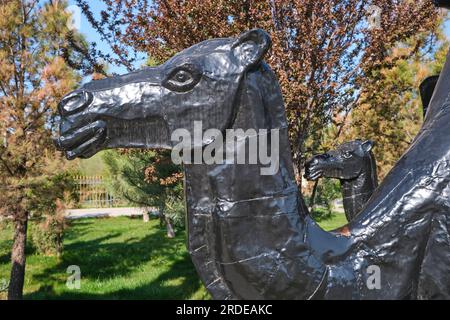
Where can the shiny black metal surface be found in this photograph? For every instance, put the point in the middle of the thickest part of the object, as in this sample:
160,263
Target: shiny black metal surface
442,3
426,92
353,163
250,235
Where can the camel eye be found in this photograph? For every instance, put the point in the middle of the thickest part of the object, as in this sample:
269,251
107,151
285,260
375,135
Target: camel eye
346,155
182,79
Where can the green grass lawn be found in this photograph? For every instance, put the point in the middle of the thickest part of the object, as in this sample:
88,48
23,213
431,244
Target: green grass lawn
335,221
120,258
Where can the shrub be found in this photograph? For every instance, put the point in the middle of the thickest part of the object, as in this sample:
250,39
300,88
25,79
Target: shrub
327,191
47,235
148,179
47,201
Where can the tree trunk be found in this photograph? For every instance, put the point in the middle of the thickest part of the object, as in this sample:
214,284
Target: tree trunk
170,230
18,258
145,216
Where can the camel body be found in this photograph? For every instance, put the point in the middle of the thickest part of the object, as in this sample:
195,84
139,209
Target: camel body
263,245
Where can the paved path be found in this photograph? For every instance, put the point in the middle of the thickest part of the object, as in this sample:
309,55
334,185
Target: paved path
103,212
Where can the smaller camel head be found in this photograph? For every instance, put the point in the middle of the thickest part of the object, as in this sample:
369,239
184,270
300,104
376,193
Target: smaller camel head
142,109
345,162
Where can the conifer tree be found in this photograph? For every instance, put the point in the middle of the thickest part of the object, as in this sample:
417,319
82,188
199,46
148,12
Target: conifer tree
33,78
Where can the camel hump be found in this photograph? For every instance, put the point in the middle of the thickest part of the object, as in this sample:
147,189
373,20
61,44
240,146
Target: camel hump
426,89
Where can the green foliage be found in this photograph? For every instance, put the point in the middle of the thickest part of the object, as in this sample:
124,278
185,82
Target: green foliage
47,236
44,198
176,211
327,191
390,109
47,200
147,179
45,193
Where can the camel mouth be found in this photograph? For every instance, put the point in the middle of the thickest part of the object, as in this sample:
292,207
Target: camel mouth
312,173
82,142
78,139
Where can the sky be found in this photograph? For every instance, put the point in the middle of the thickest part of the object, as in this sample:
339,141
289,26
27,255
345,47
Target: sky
447,29
92,36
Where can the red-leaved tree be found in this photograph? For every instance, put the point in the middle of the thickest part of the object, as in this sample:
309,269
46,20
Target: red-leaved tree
323,51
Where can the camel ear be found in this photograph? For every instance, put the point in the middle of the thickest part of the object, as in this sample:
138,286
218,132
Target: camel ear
367,145
251,46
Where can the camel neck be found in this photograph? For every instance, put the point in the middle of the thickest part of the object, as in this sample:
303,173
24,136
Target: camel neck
243,227
356,192
249,228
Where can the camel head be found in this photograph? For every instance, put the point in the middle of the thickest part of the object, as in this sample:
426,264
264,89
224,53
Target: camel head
142,109
345,162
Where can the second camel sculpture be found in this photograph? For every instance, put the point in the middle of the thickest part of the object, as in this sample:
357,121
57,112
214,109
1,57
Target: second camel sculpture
353,163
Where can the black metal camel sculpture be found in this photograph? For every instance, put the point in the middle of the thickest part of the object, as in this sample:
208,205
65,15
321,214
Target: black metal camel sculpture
250,235
353,163
426,90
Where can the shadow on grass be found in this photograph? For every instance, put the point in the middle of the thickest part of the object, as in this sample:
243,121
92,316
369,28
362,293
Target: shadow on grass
106,258
322,214
83,226
157,289
5,258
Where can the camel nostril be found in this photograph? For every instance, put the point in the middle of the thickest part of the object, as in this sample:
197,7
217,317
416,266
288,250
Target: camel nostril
65,126
311,162
74,102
